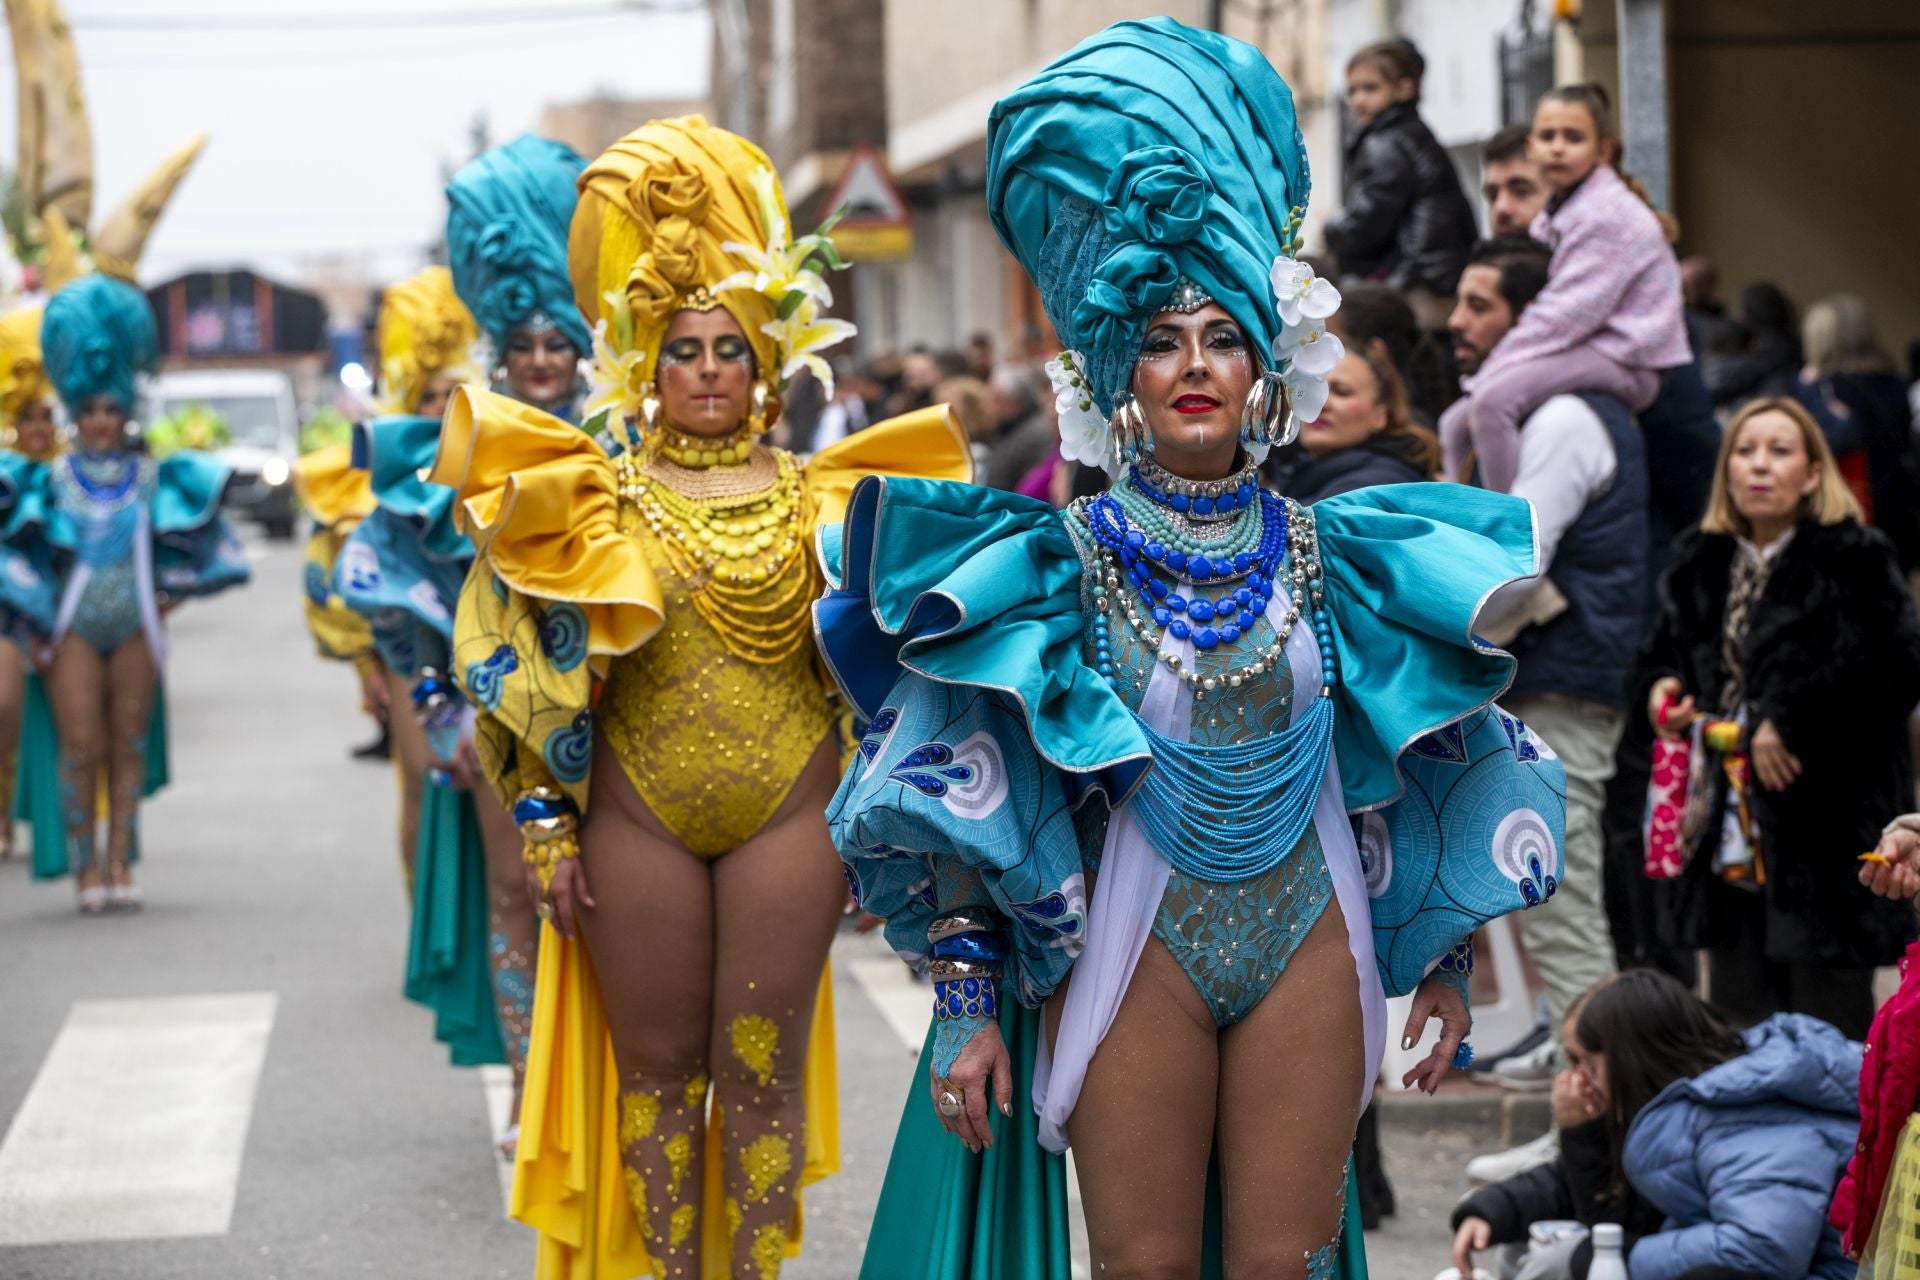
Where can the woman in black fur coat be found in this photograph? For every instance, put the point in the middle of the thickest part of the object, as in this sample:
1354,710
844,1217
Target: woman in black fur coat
1783,611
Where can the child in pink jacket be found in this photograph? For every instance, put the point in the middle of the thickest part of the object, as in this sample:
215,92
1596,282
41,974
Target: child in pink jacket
1609,319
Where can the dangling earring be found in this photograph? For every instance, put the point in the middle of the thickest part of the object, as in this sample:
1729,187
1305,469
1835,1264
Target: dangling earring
764,410
650,415
1267,418
1129,428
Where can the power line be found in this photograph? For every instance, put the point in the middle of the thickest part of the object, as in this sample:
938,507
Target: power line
336,21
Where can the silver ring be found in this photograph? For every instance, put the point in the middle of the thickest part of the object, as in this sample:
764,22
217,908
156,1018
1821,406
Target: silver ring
948,1104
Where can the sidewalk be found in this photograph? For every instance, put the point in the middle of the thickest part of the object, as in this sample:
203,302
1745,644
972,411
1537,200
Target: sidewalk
1426,1143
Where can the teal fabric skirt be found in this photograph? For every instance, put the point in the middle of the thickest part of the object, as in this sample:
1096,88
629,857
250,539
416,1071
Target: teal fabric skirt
36,784
447,967
947,1214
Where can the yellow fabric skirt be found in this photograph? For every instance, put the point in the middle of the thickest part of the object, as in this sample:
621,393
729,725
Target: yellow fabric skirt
1893,1250
569,1184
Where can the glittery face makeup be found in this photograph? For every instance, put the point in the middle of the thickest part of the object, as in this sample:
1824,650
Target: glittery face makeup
540,366
1191,379
705,373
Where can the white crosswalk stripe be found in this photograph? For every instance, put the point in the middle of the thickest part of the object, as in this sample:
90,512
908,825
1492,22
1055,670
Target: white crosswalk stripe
135,1126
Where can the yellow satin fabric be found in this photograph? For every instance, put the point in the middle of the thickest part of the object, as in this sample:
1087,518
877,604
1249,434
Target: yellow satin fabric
425,332
569,1184
338,498
330,490
711,741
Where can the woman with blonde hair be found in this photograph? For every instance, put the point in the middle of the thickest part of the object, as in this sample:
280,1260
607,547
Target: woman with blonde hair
1849,387
1787,643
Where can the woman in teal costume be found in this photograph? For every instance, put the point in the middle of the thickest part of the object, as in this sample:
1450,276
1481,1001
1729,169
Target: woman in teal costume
121,540
474,927
1204,774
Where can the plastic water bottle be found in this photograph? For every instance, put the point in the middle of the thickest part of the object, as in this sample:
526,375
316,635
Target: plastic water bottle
1608,1264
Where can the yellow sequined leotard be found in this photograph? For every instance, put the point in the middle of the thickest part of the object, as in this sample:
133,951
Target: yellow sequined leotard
716,716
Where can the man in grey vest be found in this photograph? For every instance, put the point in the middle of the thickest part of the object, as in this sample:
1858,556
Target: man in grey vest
1574,629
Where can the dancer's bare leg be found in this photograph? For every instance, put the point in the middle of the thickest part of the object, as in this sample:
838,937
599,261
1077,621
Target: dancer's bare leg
76,687
511,932
413,759
130,684
1142,1130
777,902
1291,1074
651,938
13,701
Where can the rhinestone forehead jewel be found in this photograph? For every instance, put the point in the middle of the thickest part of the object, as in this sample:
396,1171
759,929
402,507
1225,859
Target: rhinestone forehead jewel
1187,297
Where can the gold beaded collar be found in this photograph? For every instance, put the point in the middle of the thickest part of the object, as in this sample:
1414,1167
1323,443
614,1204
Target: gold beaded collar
693,452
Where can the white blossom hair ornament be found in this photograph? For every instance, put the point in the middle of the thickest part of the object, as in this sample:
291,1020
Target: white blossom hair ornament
1304,349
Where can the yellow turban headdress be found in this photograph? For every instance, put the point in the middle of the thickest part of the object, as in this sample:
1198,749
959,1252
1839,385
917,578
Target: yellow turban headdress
23,373
425,333
679,214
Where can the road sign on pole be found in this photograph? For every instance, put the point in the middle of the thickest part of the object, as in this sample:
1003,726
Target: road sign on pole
878,226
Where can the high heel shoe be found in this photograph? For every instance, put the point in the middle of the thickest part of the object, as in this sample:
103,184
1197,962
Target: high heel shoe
123,895
92,900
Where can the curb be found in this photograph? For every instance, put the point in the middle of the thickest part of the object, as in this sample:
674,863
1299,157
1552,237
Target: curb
1491,1114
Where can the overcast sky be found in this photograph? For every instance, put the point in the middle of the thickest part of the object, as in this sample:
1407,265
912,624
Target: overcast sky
330,135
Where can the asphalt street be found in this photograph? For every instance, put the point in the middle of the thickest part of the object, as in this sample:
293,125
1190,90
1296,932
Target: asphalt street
229,1085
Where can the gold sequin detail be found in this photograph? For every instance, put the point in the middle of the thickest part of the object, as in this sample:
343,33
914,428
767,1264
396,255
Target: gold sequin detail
765,1162
755,1041
696,1092
679,1152
744,556
682,1227
637,1198
638,1114
711,741
769,1250
734,1216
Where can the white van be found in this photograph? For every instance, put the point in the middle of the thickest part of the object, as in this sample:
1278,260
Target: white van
264,423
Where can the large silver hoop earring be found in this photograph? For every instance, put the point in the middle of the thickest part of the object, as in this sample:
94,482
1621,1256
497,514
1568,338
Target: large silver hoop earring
1268,417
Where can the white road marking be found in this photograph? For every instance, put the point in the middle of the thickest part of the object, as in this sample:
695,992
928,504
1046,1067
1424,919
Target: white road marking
136,1124
497,1080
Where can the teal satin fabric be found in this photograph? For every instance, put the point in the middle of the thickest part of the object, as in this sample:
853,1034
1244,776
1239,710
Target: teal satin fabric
1408,566
447,946
508,212
96,336
990,597
1148,152
394,451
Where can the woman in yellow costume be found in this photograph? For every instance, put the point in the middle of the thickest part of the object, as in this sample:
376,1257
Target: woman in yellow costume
680,1090
30,441
337,498
426,338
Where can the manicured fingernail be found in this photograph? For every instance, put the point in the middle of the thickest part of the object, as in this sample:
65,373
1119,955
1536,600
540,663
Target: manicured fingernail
1006,1109
1406,1044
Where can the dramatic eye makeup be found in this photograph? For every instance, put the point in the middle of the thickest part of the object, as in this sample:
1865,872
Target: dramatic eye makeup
727,349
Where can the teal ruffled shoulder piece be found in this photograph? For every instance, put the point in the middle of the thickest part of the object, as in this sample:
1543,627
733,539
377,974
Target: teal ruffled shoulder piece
25,495
971,586
1408,567
195,551
186,492
27,596
397,451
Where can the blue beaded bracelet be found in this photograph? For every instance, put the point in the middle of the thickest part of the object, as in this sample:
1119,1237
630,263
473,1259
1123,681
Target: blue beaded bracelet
977,997
982,947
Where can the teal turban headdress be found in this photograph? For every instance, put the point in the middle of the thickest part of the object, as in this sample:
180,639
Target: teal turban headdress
1154,155
507,221
98,336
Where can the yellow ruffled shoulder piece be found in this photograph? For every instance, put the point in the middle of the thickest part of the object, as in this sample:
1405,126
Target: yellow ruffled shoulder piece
332,492
927,443
538,498
569,1184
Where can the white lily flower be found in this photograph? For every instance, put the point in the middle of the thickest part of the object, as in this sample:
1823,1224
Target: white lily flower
802,336
1299,295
